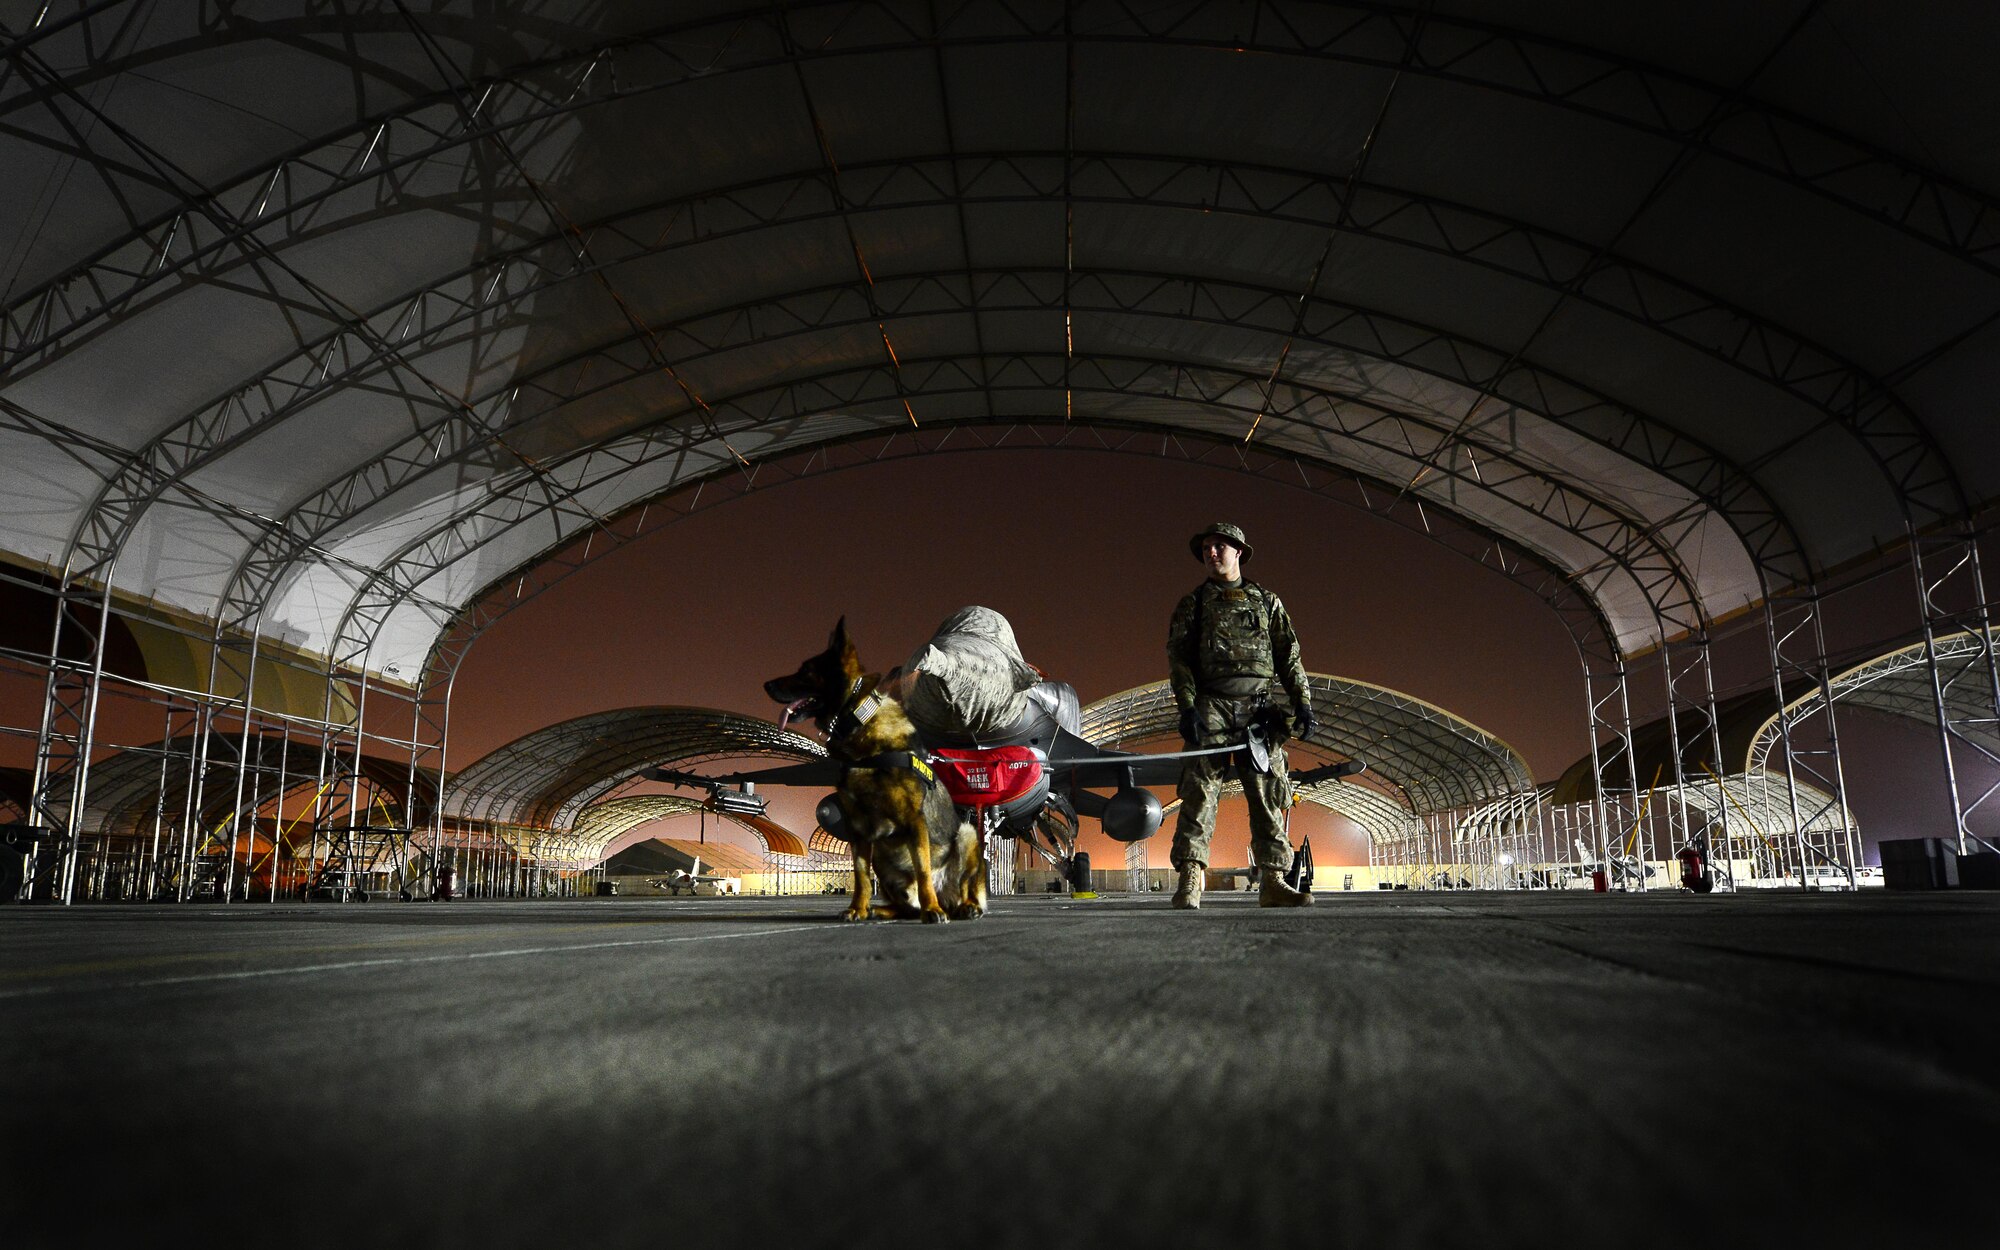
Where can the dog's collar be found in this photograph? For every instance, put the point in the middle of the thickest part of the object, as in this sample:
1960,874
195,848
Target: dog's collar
860,707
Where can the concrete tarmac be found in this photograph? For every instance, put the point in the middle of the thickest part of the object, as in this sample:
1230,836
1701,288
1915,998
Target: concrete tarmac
1381,1070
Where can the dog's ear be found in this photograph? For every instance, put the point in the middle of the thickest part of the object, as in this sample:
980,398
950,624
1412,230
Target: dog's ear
843,649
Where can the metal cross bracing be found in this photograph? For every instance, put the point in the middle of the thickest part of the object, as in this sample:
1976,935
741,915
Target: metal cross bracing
148,828
1981,597
1069,167
1787,553
196,441
543,479
1804,730
345,379
487,292
70,707
631,369
545,779
1906,683
729,482
853,391
1685,666
1610,711
1435,760
320,362
1504,844
532,96
1487,481
589,519
605,822
1379,419
1383,819
1745,817
1964,669
1762,847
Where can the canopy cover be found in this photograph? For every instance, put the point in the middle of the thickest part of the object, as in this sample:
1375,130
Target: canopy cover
969,680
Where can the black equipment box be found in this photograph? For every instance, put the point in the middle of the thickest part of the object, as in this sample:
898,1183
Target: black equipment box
1979,870
1919,863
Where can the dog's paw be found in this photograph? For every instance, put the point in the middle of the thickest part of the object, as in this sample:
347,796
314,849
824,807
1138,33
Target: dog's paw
967,911
855,913
936,917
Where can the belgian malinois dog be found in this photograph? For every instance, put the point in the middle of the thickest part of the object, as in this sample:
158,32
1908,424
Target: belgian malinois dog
898,819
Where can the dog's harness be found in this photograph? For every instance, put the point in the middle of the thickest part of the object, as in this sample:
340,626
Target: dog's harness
859,709
915,761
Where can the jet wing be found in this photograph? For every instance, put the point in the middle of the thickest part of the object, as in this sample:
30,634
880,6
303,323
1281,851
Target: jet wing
1088,804
808,773
1077,764
1329,772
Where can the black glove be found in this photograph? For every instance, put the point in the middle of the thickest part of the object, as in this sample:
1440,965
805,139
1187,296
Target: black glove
1303,720
1190,729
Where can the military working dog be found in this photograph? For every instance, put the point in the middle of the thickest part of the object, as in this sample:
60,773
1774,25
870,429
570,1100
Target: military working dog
895,815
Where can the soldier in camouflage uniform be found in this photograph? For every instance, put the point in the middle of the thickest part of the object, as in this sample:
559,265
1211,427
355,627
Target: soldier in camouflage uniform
1229,642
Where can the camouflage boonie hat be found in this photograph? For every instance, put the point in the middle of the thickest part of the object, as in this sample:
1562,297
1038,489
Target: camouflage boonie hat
1222,529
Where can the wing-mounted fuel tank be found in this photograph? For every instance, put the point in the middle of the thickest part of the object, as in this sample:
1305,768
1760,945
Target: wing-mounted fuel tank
1131,813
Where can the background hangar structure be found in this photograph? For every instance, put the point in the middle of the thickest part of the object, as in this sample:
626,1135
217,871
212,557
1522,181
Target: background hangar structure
330,333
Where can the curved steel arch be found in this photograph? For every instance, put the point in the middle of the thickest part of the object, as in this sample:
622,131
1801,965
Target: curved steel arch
1662,444
546,777
1768,539
1942,682
1119,375
1380,817
601,824
1438,761
519,585
1577,512
643,517
1811,373
1508,41
1941,212
1898,683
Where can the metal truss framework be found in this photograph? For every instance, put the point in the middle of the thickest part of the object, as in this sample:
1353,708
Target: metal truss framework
212,233
1431,760
150,830
1526,841
548,778
527,102
601,825
1941,682
1383,819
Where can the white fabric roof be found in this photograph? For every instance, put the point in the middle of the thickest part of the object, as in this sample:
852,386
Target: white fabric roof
322,324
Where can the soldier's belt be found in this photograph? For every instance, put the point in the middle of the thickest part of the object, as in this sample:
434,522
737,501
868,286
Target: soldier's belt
1236,687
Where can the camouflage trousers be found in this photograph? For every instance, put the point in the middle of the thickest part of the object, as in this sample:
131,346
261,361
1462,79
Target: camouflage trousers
1268,794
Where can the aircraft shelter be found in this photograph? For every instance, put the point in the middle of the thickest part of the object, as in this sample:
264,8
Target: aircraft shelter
327,341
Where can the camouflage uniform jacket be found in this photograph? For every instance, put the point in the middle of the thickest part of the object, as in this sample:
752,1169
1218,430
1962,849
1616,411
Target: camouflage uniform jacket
1232,642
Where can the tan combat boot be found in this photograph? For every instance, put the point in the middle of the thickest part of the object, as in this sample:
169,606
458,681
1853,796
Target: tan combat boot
1275,893
1188,896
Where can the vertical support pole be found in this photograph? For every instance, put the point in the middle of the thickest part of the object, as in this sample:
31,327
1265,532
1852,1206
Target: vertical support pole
1611,754
1965,678
1822,830
68,733
1690,680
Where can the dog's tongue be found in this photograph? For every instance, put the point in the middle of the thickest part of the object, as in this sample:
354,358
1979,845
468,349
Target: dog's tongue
791,710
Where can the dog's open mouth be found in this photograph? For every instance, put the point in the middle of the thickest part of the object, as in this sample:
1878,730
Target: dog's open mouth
796,708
